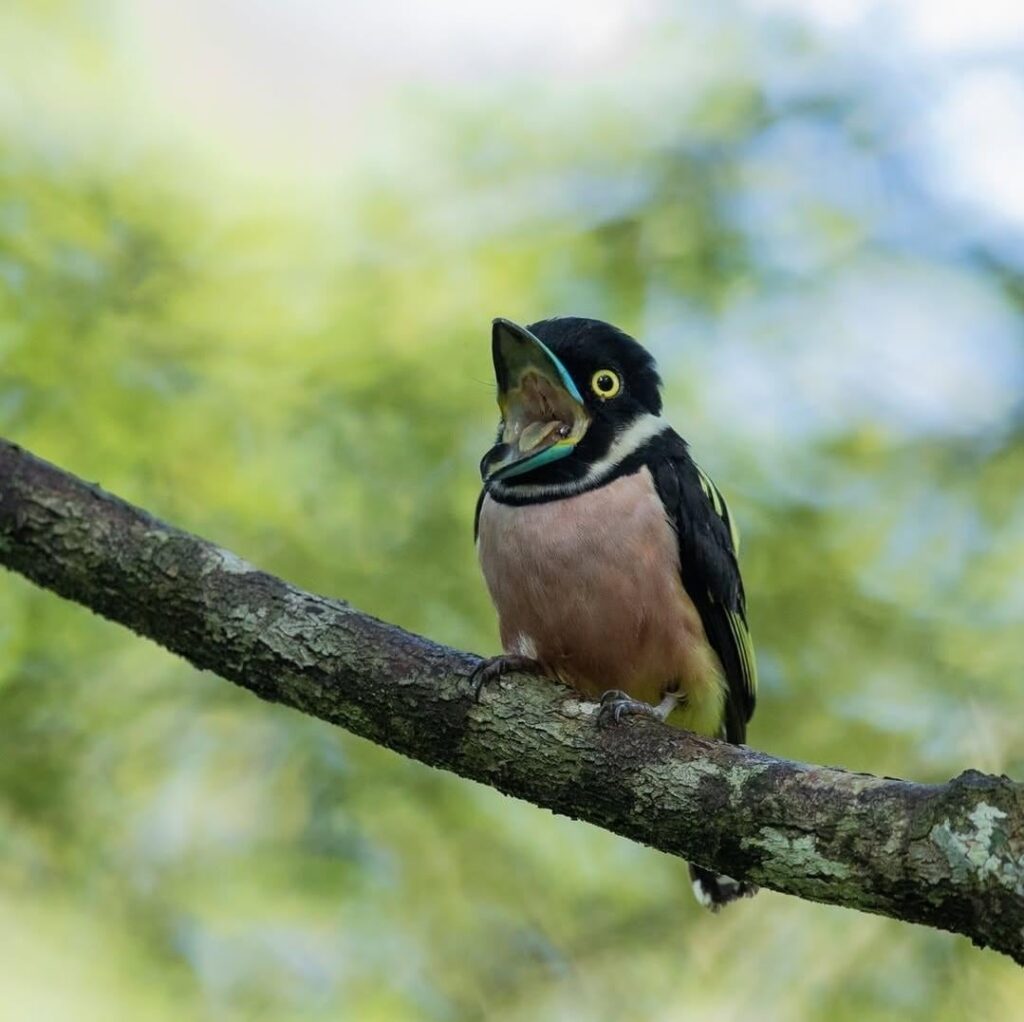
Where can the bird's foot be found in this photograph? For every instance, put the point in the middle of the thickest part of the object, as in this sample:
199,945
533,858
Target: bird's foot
495,667
616,704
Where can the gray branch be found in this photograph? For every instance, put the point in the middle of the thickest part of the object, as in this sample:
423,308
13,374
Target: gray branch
949,856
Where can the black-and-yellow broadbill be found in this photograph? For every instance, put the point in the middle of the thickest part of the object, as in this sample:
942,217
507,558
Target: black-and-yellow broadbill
609,554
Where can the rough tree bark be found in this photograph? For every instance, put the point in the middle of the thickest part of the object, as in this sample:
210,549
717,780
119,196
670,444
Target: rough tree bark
950,856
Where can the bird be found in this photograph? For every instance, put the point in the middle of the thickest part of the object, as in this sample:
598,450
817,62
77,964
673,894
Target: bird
610,556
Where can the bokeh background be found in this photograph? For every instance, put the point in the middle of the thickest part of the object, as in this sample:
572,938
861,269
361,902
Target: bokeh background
249,252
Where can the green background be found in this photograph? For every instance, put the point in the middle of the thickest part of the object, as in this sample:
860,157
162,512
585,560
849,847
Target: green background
255,299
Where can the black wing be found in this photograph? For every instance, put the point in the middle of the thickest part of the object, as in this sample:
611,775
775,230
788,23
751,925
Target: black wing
708,543
476,515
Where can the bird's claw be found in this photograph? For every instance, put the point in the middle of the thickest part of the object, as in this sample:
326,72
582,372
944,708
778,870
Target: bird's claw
495,667
616,704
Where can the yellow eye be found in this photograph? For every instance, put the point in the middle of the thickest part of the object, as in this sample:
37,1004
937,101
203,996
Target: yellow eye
605,384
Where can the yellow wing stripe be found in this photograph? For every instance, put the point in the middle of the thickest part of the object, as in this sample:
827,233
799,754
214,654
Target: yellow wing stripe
745,646
721,508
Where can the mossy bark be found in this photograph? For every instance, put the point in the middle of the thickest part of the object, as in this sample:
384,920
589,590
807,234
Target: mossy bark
949,856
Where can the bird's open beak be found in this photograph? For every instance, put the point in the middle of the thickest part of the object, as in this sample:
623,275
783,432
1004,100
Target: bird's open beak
542,412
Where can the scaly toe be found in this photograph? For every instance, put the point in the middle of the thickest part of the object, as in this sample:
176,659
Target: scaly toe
615,705
493,668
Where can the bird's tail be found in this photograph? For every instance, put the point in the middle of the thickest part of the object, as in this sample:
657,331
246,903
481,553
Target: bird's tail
714,891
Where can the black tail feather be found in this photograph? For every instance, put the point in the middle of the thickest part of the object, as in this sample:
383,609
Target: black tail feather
714,891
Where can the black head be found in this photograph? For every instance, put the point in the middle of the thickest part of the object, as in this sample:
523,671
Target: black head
585,347
568,390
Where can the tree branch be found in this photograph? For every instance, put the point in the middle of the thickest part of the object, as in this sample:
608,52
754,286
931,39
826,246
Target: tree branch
950,855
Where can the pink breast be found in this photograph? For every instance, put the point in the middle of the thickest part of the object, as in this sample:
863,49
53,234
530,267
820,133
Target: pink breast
590,586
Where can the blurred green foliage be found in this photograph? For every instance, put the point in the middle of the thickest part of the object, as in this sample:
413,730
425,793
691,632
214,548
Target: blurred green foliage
308,383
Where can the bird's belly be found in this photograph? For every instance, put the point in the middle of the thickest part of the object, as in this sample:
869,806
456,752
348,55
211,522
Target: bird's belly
590,586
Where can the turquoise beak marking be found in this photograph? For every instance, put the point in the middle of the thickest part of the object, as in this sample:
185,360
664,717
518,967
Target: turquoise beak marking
542,411
517,468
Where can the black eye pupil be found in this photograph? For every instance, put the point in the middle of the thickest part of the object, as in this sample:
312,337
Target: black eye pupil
605,382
